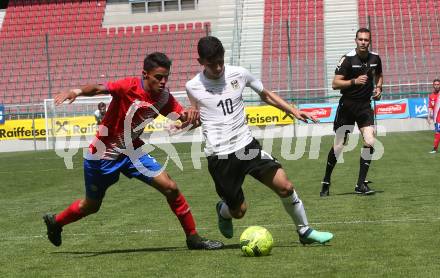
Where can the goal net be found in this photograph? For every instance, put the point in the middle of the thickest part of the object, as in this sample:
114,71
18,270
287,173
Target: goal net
73,122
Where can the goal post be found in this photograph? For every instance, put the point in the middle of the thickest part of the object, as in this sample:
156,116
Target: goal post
75,121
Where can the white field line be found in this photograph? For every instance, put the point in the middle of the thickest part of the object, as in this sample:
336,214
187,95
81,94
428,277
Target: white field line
150,231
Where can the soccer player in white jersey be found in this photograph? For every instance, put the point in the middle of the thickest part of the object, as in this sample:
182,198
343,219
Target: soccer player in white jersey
231,150
100,113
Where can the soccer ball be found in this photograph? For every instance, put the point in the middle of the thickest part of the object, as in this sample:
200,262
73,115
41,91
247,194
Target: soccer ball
256,241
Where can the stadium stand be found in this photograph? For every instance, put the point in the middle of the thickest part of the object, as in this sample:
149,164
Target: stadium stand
406,35
50,45
302,65
47,45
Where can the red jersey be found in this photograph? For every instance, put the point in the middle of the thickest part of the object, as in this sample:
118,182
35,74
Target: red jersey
432,100
130,104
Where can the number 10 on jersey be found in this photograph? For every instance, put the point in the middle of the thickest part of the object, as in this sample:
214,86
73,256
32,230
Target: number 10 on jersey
226,106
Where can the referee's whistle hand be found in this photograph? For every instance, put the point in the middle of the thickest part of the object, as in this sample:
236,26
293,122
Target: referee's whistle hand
377,94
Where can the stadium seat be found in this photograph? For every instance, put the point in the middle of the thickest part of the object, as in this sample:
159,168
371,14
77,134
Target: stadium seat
411,52
304,47
84,52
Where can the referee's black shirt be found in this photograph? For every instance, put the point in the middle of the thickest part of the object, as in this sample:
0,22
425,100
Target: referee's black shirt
352,66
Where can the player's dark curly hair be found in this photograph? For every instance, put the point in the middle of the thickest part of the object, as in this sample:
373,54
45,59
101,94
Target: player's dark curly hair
436,80
363,30
210,47
156,59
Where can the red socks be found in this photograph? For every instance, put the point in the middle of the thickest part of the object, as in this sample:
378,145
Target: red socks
70,214
181,209
179,206
436,140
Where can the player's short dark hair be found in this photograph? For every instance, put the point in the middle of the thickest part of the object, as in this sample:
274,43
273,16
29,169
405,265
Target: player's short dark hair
101,105
155,60
363,30
210,47
436,80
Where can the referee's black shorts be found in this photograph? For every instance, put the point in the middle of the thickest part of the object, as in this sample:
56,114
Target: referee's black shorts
350,112
229,171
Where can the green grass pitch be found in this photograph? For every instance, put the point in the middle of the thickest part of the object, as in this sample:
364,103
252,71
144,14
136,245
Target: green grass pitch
394,233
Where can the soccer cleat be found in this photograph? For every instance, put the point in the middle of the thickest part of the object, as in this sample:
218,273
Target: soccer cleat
325,189
433,151
311,236
364,189
224,224
196,242
53,229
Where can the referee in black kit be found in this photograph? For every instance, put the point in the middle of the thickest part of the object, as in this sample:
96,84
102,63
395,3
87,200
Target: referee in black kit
359,77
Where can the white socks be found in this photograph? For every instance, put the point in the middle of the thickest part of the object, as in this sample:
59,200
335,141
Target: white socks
294,207
224,211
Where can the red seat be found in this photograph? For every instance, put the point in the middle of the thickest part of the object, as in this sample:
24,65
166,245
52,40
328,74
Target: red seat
89,54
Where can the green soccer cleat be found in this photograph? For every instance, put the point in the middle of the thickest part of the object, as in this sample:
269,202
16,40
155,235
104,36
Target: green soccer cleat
311,236
224,224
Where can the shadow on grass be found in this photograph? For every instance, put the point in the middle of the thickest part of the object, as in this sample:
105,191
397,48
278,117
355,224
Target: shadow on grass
121,251
169,249
366,195
281,245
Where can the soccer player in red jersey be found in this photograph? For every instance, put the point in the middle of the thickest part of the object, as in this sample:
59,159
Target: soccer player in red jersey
116,147
431,113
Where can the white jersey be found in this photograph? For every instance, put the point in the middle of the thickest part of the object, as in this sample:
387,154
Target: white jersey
221,107
98,116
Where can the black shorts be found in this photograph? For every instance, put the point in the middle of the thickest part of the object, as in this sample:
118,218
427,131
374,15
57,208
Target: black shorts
229,171
350,112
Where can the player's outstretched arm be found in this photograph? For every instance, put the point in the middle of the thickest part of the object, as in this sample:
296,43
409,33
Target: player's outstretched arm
72,94
275,100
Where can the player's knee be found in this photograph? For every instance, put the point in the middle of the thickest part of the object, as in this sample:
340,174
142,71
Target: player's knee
239,212
170,189
285,189
89,207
